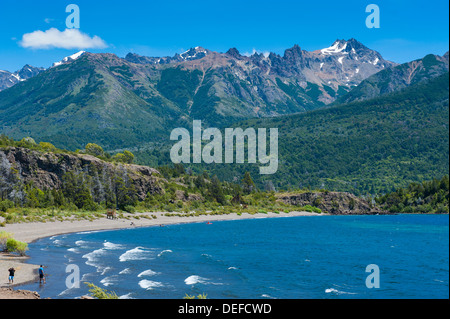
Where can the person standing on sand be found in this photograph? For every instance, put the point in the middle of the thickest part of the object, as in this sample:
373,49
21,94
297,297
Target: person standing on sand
11,275
41,274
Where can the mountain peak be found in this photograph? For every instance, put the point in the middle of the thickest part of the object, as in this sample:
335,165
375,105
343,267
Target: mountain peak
234,53
342,46
193,54
69,58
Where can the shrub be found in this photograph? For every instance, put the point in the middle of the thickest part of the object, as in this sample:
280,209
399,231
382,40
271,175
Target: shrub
311,209
15,246
4,236
130,209
5,204
21,248
100,293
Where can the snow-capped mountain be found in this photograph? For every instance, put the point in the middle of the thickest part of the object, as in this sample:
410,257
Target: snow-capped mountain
189,55
68,59
8,79
334,70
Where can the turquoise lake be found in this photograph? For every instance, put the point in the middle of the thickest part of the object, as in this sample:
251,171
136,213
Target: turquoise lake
315,257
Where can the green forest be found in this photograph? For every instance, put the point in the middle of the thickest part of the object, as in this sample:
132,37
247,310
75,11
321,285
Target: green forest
426,197
366,148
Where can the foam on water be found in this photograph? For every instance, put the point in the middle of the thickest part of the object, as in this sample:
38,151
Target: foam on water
125,271
164,251
148,272
149,284
111,246
108,281
94,257
138,253
74,250
194,279
338,292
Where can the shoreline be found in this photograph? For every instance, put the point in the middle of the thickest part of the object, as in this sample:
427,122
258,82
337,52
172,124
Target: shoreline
31,232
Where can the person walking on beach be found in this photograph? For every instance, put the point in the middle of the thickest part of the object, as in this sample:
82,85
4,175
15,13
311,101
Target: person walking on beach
11,275
41,274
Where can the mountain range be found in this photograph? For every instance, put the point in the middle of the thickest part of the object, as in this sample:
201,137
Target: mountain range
122,101
8,79
348,119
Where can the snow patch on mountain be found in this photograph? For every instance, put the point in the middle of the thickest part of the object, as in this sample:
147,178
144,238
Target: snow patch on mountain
69,58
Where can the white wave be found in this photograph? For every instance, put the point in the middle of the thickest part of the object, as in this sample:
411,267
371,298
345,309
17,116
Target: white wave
108,281
126,271
93,257
232,268
148,284
138,253
105,270
267,296
127,296
94,254
164,251
87,277
194,279
62,293
148,272
338,292
74,250
111,246
81,243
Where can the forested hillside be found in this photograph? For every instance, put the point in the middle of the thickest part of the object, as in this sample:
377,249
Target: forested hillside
368,147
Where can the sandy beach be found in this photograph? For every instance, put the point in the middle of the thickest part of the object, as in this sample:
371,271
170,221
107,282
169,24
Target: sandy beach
29,232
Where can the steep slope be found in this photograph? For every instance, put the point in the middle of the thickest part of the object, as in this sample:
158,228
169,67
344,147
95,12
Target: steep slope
367,147
8,79
398,77
138,100
91,98
267,85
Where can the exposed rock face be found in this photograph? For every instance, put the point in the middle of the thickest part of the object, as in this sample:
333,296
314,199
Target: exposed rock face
335,203
9,293
8,79
46,170
399,77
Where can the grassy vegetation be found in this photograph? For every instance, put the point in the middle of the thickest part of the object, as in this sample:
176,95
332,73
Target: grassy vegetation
44,147
100,293
9,244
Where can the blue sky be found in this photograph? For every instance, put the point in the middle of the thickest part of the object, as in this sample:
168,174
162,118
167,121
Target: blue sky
409,29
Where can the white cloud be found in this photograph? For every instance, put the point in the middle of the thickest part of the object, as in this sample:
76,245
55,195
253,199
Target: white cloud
67,39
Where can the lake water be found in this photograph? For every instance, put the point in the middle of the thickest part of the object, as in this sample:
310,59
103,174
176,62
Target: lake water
295,257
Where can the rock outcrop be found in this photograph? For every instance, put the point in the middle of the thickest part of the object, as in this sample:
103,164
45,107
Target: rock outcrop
46,170
335,203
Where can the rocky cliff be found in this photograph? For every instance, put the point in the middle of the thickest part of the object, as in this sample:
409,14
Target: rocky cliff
46,170
335,203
